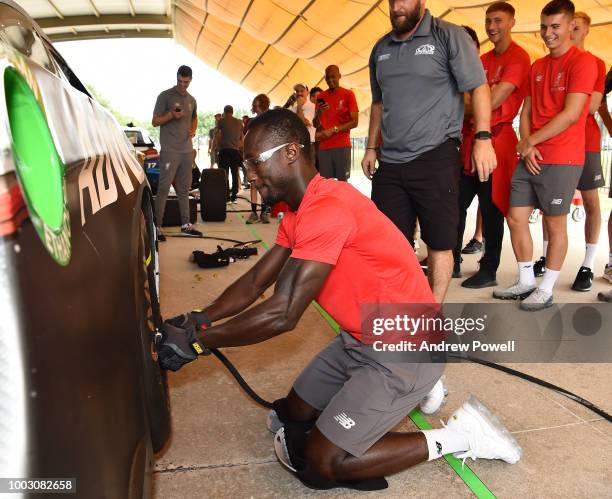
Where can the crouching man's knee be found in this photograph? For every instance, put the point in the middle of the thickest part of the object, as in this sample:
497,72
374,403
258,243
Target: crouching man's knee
322,457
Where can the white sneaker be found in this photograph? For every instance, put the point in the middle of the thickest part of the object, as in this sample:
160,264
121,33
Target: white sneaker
514,292
273,423
435,399
538,300
487,437
608,273
280,448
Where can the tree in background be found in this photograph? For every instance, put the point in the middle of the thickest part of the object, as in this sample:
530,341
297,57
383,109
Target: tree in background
122,118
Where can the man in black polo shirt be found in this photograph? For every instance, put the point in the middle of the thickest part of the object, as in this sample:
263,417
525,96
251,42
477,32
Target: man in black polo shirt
418,73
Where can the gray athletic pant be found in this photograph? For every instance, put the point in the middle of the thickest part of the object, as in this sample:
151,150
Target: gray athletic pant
174,166
335,163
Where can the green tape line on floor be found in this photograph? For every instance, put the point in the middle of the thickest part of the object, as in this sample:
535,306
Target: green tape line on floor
466,474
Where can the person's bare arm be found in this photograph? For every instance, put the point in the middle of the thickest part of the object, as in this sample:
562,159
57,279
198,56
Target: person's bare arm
596,98
349,125
216,139
298,283
500,92
159,120
605,116
300,113
194,127
368,164
250,286
525,120
484,160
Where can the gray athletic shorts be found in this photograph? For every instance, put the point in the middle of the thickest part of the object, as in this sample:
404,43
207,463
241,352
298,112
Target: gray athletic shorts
361,399
592,174
552,190
335,163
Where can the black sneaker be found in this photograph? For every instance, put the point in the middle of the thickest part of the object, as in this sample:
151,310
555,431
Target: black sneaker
481,279
539,267
584,280
474,246
160,235
188,230
457,269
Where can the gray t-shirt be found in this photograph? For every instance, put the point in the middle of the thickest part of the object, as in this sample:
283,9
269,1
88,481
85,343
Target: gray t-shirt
174,135
230,130
421,82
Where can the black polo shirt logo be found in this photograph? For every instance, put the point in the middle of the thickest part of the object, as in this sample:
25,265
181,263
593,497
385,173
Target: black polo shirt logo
426,49
383,57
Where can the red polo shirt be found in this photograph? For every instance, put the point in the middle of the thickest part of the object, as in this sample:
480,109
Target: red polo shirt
551,79
511,66
341,103
373,262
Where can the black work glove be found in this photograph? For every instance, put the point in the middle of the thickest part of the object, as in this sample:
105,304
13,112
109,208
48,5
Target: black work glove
178,346
198,319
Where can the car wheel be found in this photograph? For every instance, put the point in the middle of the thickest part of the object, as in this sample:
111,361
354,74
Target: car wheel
149,318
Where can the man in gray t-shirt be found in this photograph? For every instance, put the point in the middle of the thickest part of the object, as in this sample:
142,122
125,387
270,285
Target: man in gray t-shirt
176,114
418,73
228,143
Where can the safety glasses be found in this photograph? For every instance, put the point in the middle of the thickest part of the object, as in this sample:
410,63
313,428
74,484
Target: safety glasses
265,156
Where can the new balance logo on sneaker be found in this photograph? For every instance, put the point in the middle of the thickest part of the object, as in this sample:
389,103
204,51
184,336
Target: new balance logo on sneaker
344,421
439,448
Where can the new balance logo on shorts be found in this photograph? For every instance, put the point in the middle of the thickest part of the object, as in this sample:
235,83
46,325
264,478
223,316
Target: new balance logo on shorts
344,421
556,201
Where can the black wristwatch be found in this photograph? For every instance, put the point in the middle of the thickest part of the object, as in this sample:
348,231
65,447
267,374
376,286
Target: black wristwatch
483,136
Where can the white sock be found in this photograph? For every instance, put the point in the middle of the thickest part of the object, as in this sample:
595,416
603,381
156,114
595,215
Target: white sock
609,258
526,273
549,280
589,255
544,247
445,441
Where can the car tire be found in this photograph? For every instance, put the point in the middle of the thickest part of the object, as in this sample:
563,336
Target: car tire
149,318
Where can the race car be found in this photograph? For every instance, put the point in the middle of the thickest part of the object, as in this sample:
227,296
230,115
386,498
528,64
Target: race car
142,142
81,392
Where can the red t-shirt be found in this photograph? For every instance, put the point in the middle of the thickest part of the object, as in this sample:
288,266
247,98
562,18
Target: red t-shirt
551,79
593,133
342,103
373,261
511,66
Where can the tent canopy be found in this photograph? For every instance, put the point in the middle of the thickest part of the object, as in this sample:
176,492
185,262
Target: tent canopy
269,45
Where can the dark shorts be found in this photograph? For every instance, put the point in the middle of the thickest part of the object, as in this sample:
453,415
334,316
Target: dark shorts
592,174
426,188
552,190
361,399
335,163
229,158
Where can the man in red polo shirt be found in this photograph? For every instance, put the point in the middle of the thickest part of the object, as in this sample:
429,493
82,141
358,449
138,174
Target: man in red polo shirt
592,177
336,114
552,151
507,69
334,427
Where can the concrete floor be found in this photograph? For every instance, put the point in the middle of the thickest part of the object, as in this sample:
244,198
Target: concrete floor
220,446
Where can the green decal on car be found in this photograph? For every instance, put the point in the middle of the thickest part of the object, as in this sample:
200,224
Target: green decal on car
39,167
